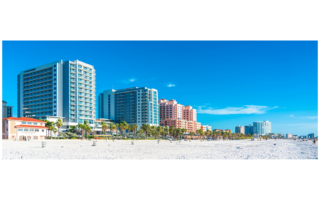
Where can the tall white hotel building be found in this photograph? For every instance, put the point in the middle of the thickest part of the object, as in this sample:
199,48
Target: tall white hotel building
59,89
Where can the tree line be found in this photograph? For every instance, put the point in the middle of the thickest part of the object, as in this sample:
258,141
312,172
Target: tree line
145,131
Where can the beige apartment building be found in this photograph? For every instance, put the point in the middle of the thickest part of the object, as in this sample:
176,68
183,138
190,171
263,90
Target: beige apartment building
23,128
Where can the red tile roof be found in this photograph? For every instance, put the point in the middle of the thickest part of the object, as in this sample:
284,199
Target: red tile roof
30,126
24,119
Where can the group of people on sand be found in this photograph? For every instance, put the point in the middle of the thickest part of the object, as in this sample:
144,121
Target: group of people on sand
314,141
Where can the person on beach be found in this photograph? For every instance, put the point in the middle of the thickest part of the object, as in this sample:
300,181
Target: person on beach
314,141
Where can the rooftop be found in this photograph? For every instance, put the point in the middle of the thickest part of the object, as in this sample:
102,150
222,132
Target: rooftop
23,119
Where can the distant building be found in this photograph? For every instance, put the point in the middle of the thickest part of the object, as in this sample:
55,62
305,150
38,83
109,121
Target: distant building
204,128
248,129
6,110
221,130
262,128
295,136
209,127
311,135
289,136
239,129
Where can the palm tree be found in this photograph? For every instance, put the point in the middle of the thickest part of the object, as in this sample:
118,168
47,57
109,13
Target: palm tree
123,126
198,132
146,128
208,132
164,133
46,125
104,127
177,132
59,124
183,131
55,130
87,129
171,130
72,128
166,130
134,128
51,127
140,131
117,125
202,133
154,133
80,127
159,130
191,134
113,128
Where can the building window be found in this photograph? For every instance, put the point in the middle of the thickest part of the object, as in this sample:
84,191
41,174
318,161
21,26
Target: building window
25,129
35,123
20,129
31,129
42,130
37,130
24,123
29,122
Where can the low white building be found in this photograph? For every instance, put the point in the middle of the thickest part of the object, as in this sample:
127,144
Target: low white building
23,128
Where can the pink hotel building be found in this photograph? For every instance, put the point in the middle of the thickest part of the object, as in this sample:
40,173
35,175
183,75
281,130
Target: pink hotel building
177,115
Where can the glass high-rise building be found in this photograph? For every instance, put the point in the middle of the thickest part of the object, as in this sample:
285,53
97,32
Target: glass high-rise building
248,129
6,110
262,128
239,129
311,135
133,105
60,89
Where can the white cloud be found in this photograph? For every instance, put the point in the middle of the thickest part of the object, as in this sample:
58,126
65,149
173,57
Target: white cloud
171,85
247,109
130,80
305,117
312,117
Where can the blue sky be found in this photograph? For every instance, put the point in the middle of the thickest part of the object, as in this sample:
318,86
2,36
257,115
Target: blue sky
230,83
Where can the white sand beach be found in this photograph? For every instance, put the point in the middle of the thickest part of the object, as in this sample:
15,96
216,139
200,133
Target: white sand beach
231,149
